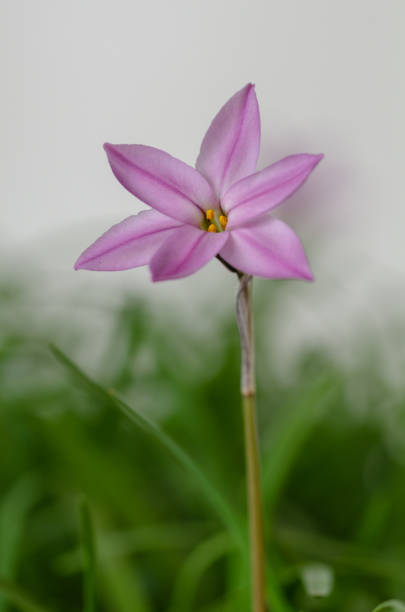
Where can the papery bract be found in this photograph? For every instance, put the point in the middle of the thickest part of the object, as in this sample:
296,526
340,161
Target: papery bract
220,208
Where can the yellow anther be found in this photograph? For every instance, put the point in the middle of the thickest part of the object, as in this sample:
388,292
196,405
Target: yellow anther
209,215
212,228
223,221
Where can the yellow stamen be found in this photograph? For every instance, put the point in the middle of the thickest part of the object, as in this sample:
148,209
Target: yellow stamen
212,228
209,214
223,221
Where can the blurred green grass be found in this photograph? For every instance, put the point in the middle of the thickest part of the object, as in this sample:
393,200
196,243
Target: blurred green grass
164,488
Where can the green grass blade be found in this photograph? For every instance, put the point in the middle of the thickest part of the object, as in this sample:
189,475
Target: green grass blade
390,606
277,600
190,575
122,587
14,508
215,498
89,558
18,598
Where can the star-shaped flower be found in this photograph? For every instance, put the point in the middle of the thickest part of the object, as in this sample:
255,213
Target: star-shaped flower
219,208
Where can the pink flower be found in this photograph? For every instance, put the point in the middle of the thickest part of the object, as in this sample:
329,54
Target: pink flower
219,208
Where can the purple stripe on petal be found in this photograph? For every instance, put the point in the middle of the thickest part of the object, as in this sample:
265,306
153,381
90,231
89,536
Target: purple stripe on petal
162,181
185,251
128,244
230,148
261,192
269,248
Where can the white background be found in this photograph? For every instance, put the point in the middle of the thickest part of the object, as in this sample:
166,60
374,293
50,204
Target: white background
329,77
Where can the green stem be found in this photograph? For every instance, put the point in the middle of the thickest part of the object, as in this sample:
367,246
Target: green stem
245,323
254,504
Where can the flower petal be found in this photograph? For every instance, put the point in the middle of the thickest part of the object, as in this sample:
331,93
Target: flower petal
267,247
185,251
128,244
262,191
230,148
162,181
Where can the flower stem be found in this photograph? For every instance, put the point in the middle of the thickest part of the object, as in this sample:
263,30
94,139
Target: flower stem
244,316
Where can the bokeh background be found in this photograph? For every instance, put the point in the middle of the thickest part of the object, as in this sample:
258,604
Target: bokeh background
329,78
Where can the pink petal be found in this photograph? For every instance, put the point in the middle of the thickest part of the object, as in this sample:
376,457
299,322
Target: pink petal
185,251
162,181
261,192
230,148
128,244
267,247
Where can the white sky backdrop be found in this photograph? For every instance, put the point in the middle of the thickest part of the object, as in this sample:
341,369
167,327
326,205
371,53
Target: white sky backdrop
329,77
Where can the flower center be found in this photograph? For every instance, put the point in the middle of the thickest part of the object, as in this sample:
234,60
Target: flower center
214,221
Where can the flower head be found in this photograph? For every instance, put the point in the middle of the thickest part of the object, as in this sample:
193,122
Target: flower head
221,207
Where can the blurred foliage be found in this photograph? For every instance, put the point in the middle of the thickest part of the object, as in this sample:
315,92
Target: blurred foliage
152,441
